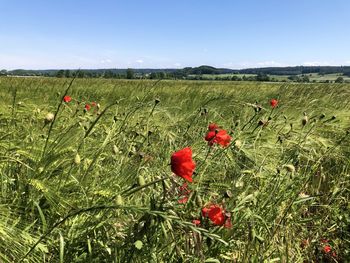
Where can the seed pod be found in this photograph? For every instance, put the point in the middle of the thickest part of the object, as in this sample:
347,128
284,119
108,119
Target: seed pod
290,168
322,116
49,118
156,101
141,180
119,200
77,159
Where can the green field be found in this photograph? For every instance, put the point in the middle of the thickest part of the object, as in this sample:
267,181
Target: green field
313,77
97,185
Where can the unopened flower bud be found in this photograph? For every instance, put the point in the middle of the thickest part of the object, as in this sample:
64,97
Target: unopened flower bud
141,180
119,200
199,201
290,168
304,120
238,144
49,117
77,159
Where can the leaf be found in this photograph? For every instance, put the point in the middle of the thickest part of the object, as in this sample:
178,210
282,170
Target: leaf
138,244
61,248
42,217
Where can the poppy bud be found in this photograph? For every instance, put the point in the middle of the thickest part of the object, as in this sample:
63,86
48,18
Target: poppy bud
228,194
141,180
290,168
199,201
40,170
98,106
77,159
239,184
304,120
119,200
156,101
49,117
238,144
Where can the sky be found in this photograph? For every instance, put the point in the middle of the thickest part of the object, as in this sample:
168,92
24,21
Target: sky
69,34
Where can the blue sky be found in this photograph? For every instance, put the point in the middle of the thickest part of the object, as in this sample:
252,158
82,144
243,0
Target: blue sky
42,34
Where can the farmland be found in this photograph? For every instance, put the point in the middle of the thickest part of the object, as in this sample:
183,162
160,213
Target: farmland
95,184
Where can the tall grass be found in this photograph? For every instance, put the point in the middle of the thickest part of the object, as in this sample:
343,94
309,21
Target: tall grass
96,186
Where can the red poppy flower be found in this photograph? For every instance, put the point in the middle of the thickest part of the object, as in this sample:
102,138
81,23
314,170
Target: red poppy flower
273,103
212,127
182,164
220,137
196,222
216,214
183,200
87,107
327,249
93,104
67,99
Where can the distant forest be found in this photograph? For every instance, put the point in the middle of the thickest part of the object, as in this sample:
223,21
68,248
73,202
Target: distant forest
195,73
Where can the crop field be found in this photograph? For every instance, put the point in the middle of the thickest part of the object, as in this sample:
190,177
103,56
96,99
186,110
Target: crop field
97,170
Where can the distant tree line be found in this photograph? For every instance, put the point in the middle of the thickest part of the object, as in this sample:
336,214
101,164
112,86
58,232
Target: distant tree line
295,74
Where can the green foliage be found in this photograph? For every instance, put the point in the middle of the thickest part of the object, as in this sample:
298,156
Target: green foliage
284,182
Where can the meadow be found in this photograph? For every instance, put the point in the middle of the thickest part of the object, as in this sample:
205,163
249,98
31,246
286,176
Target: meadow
96,183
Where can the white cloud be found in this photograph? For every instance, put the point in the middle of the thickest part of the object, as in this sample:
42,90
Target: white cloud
315,63
177,64
140,61
106,61
347,62
269,63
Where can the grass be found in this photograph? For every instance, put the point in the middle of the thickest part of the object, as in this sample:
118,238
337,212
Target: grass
96,186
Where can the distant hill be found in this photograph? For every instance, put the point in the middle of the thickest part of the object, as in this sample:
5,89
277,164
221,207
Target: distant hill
204,69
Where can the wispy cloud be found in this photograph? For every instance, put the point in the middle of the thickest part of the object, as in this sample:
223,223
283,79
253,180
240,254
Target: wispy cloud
269,63
140,61
106,61
315,63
